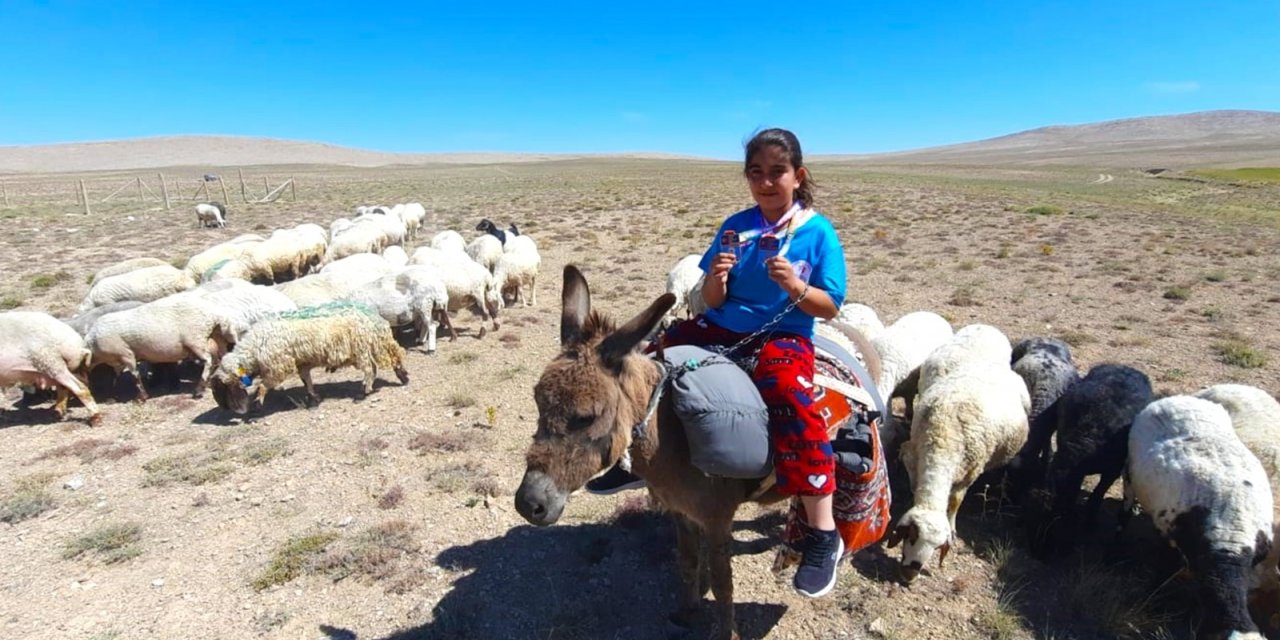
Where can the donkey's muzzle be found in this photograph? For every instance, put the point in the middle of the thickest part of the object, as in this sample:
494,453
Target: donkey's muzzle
538,500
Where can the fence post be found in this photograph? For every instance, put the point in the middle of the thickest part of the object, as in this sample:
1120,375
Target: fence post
225,199
266,188
243,197
164,190
5,190
138,182
293,189
84,195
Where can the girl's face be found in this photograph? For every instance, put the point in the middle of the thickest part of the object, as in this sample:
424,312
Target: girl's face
772,179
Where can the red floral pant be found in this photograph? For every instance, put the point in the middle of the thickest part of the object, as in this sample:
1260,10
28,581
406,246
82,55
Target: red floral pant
803,462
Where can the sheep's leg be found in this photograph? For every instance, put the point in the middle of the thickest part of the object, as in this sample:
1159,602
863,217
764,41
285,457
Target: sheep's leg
1095,499
720,543
953,506
60,402
448,324
130,365
370,374
313,398
431,335
68,381
691,562
533,290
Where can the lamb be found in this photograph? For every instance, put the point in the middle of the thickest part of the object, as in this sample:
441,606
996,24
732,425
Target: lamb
1093,420
449,241
1045,365
332,336
862,318
415,295
125,266
969,422
467,282
40,351
1208,497
144,285
684,281
167,330
412,214
517,273
1255,416
486,250
211,214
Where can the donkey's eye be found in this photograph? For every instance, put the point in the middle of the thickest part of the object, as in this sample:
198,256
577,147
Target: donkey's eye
578,423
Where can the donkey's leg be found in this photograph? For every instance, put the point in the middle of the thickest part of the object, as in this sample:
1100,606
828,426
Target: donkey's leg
689,558
720,545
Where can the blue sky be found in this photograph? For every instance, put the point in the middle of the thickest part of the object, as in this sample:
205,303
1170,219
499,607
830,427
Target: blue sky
693,78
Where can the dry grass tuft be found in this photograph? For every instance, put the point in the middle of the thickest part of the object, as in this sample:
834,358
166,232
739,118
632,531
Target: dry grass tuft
391,498
112,543
89,450
29,498
429,442
295,557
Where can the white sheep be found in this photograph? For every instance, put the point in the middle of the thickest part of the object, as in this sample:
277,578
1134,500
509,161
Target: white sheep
519,243
81,322
486,250
322,288
392,227
331,336
125,266
199,265
905,344
361,267
242,303
467,281
449,240
40,351
144,285
684,281
167,330
517,273
211,214
861,317
395,256
359,238
412,213
1209,497
414,295
973,345
1255,416
966,423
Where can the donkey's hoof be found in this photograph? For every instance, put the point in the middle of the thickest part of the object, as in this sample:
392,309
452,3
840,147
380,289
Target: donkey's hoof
95,420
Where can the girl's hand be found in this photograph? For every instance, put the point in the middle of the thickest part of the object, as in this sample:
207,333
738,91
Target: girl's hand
721,265
781,272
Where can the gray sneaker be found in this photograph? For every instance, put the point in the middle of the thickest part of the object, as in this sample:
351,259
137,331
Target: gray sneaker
817,573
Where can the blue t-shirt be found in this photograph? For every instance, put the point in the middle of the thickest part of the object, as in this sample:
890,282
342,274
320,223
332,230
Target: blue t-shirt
753,298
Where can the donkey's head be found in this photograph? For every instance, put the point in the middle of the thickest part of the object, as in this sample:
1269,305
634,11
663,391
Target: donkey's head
589,398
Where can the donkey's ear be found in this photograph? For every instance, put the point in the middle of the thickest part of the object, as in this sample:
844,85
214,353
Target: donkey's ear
618,344
576,305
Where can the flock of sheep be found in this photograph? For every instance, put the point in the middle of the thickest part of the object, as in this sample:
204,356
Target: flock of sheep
258,310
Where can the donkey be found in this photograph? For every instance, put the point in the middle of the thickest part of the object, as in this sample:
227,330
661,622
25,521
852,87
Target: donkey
589,399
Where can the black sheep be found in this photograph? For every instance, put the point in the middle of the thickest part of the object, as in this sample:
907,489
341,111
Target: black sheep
1045,365
486,225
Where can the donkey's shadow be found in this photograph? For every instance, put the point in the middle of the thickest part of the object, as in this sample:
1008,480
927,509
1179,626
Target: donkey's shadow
583,581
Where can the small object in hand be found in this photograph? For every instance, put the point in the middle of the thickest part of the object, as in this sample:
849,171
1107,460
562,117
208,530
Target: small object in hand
769,245
729,242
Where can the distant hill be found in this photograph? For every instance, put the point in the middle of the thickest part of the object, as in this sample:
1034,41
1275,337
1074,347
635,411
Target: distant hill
1208,138
224,151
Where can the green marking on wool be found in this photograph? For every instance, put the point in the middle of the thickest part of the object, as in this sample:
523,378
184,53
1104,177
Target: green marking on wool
328,309
204,277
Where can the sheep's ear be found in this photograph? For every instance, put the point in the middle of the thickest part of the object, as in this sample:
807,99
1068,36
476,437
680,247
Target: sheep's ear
618,344
576,299
905,530
942,552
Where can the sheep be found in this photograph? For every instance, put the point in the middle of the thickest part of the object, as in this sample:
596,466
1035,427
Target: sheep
1255,416
167,330
972,345
513,230
332,336
361,267
1093,419
244,304
391,227
359,238
40,351
285,255
322,288
520,243
414,295
144,285
467,282
905,344
449,241
200,264
1045,365
395,256
125,266
1208,497
861,317
412,214
684,281
486,250
517,273
83,321
211,214
492,229
966,423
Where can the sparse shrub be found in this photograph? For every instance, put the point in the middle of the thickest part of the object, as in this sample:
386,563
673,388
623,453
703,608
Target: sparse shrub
1076,338
965,265
1004,251
29,498
880,234
46,280
510,340
1215,276
460,401
10,302
1046,249
1173,375
1239,353
293,559
90,449
1211,312
427,442
391,498
1045,210
462,357
1177,292
963,297
112,543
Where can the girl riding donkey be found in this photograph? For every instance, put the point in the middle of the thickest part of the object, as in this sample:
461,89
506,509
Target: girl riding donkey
772,269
